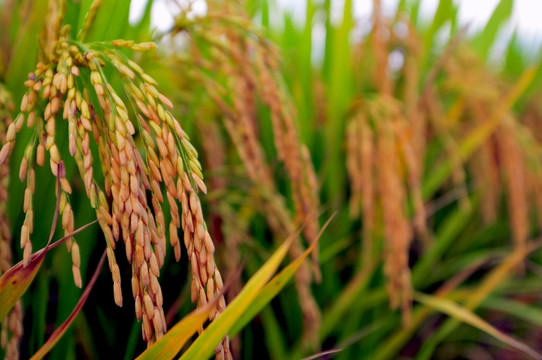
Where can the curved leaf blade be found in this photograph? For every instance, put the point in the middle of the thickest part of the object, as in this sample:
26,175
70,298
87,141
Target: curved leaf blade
61,330
172,342
15,281
485,40
203,347
269,292
460,313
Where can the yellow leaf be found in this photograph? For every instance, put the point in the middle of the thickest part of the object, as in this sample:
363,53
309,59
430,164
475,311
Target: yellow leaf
205,344
458,312
173,341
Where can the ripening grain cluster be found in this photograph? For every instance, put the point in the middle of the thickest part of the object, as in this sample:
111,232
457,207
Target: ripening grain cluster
377,195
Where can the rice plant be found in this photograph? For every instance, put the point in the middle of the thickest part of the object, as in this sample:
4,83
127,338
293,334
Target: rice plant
393,171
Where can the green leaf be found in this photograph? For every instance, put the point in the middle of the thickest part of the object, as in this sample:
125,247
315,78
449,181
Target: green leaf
402,6
454,223
494,279
486,38
269,292
85,6
454,310
514,63
454,20
275,338
111,21
529,313
25,49
142,28
442,15
340,90
61,330
415,11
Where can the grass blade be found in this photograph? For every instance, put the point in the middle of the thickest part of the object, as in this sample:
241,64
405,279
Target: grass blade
442,15
486,38
24,51
205,344
61,330
15,281
496,277
460,313
520,310
173,341
273,287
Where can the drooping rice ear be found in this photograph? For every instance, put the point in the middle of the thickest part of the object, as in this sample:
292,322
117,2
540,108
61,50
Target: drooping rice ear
11,327
249,69
397,231
171,160
513,167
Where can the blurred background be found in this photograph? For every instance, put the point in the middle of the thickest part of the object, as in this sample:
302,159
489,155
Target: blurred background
425,143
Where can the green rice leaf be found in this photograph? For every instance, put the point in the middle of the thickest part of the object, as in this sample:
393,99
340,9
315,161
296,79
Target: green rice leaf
487,36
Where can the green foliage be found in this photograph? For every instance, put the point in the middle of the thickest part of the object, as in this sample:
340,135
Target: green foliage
477,261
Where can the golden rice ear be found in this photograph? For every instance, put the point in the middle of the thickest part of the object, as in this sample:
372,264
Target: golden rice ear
299,167
361,166
485,173
397,229
249,66
11,327
413,178
501,163
412,130
515,172
96,116
243,127
376,145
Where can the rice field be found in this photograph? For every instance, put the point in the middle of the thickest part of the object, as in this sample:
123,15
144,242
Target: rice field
238,187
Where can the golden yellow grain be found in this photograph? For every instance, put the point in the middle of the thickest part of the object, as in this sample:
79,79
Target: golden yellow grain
513,163
11,326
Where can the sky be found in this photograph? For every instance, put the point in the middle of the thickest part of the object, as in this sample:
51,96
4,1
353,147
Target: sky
526,17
